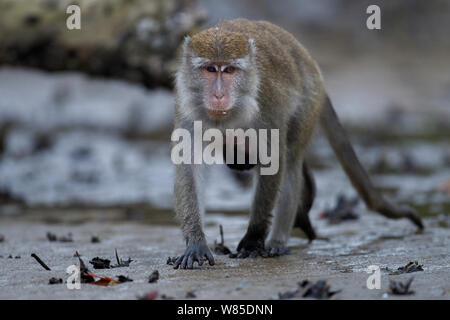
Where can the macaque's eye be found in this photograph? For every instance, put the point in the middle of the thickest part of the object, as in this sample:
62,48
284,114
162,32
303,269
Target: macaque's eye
229,69
211,69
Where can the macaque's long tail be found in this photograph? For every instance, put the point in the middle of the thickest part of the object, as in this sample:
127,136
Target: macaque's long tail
358,176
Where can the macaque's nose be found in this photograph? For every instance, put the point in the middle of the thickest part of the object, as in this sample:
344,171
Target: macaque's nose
219,97
219,101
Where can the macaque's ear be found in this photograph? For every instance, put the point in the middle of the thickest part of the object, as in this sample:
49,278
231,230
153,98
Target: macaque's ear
251,48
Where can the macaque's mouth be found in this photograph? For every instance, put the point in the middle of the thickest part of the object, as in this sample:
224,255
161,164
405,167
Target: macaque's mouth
218,114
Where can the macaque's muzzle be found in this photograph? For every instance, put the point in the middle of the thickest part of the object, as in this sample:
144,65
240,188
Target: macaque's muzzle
219,105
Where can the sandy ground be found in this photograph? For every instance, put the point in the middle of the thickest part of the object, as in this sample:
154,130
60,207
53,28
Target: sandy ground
341,258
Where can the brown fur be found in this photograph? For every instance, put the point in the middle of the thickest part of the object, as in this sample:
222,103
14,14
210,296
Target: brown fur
216,44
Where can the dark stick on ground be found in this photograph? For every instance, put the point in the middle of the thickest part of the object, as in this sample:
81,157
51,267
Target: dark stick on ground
120,262
55,281
220,248
40,261
123,278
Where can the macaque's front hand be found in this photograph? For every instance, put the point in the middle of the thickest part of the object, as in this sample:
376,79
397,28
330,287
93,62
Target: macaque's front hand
195,252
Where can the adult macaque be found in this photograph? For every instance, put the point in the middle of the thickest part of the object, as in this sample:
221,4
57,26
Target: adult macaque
245,74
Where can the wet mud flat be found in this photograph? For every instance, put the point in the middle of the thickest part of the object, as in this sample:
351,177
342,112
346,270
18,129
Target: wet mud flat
340,257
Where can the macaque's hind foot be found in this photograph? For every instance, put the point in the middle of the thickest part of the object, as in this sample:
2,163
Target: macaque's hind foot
393,211
250,247
277,248
278,251
264,253
253,249
196,252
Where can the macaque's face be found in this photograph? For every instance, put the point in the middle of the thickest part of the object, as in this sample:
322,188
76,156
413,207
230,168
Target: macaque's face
221,92
219,85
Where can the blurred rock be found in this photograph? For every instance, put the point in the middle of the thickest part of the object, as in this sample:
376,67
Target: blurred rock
134,40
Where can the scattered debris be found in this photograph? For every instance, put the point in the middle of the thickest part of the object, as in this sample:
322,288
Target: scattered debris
398,287
53,237
306,289
106,281
220,248
17,257
40,261
171,260
288,294
86,275
343,211
166,297
121,263
149,296
100,263
95,239
89,277
55,281
122,279
410,267
154,277
190,294
318,290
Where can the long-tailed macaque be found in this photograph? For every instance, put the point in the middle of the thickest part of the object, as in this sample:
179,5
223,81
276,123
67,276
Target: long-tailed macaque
253,74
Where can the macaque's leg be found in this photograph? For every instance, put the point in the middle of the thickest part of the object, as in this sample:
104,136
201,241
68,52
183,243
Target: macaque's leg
286,209
302,220
190,211
267,191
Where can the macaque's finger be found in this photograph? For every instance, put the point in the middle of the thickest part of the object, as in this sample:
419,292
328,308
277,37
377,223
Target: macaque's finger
243,254
274,252
199,259
178,261
210,258
184,262
190,261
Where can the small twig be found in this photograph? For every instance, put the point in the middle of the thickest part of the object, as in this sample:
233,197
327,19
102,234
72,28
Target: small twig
40,261
117,258
221,235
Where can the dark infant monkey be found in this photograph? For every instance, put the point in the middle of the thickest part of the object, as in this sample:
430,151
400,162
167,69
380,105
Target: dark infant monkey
253,74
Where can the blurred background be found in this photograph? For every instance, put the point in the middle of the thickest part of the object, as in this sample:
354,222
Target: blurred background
86,115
